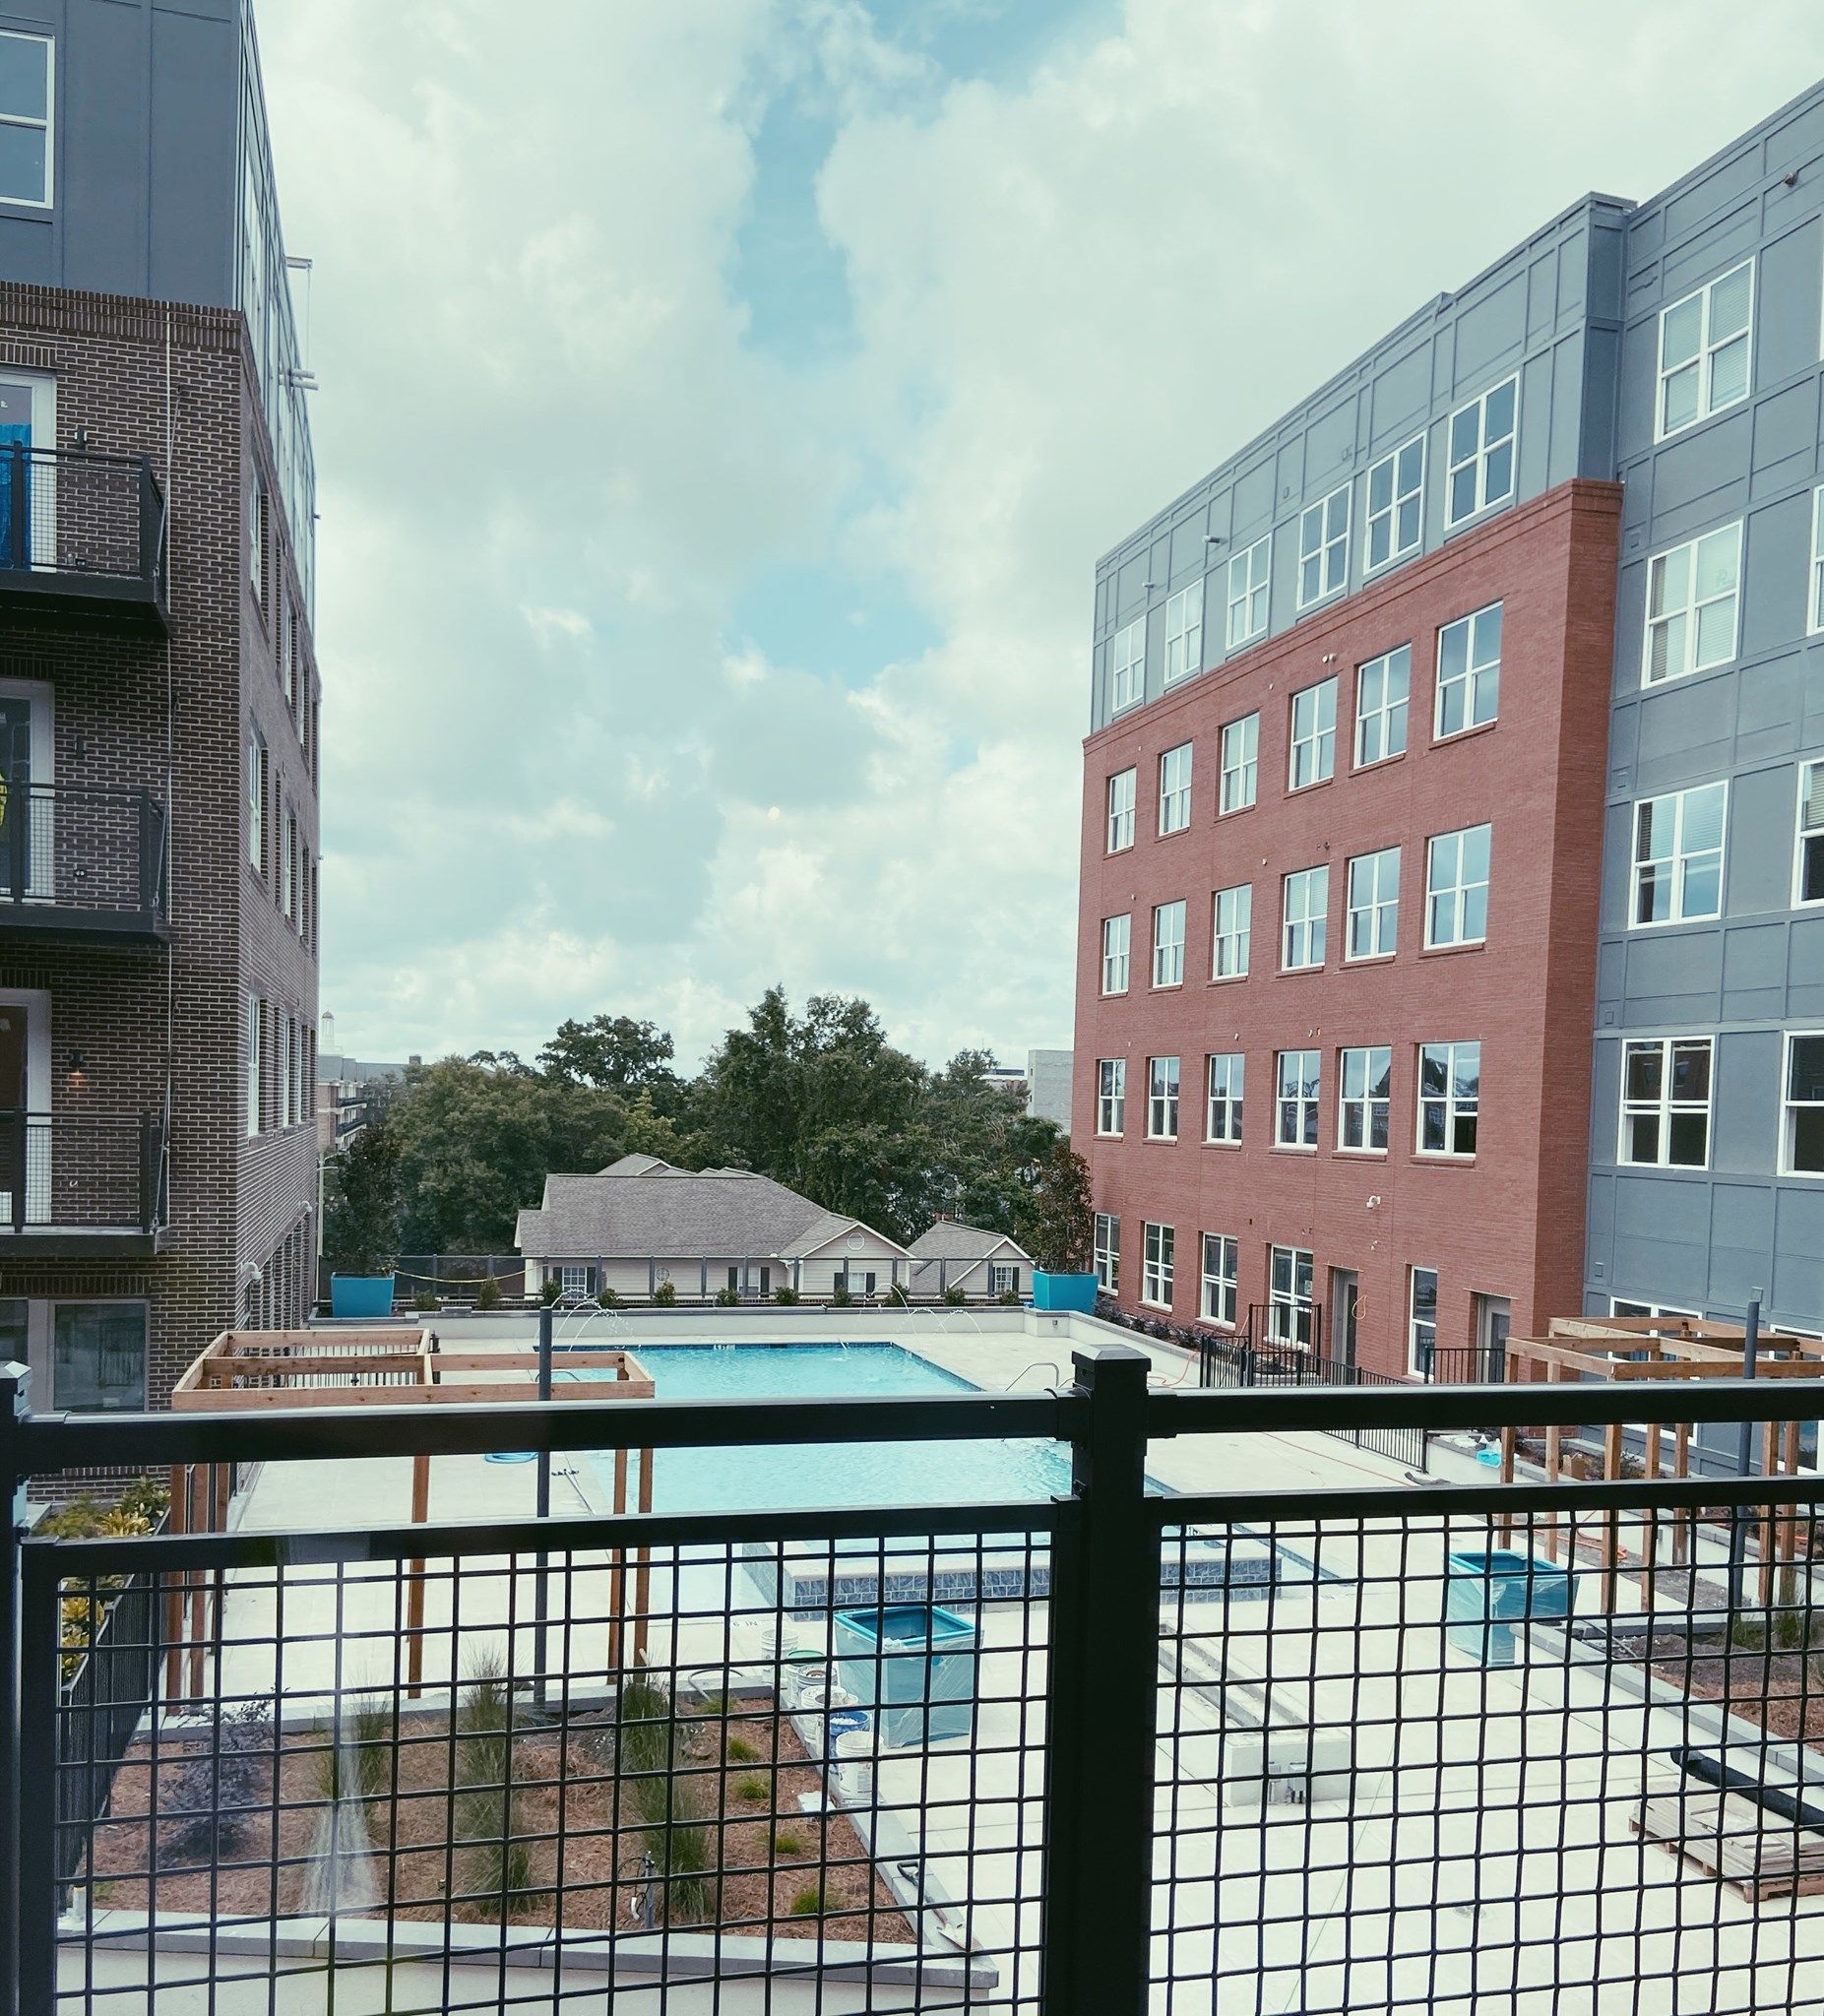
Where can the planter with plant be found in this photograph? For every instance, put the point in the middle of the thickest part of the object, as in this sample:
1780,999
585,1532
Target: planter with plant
1060,1233
360,1224
665,1295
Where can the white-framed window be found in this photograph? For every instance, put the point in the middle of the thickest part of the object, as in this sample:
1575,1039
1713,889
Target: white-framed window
1396,487
1116,934
256,1016
1299,1073
1121,787
1313,754
1381,690
1481,467
1161,1099
1808,869
1156,1265
1240,764
1468,690
1168,944
1290,1311
1107,1251
1373,905
576,1278
1127,662
1363,1080
1003,1278
1228,1075
1679,856
1184,633
1665,1103
28,116
256,799
1421,1320
1814,599
1450,1087
1232,927
1693,593
1457,887
1111,1096
1802,1115
1306,900
1323,547
1248,574
1222,1268
1175,790
1705,342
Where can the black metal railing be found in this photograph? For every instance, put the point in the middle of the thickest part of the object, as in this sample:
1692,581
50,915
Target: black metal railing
109,1688
1237,1359
1080,1751
1464,1364
86,522
76,847
81,1172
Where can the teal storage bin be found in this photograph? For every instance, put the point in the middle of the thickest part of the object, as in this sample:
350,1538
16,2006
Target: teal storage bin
914,1666
1491,1587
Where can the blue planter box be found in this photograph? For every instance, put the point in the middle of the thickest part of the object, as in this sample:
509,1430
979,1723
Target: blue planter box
1061,1291
1490,1586
361,1295
914,1666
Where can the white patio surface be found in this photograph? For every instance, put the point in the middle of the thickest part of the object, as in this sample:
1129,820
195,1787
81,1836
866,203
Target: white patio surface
1484,1859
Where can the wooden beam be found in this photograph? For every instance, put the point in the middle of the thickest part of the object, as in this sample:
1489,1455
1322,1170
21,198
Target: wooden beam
414,1584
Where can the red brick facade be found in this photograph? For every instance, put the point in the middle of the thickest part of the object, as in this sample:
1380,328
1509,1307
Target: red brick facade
1507,1223
164,1028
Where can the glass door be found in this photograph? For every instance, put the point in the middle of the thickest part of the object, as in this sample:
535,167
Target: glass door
27,507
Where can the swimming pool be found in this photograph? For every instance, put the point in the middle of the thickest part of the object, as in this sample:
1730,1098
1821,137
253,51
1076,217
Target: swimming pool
802,1476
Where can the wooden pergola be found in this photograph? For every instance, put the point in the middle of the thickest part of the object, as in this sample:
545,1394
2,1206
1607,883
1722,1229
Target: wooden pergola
1655,1349
398,1366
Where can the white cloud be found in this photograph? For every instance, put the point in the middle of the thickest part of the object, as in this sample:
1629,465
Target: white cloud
551,455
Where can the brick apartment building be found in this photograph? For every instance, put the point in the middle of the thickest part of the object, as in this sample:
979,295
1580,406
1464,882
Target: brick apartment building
158,706
1452,919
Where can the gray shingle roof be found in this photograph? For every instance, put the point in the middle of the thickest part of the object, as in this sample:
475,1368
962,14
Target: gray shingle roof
657,1210
947,1240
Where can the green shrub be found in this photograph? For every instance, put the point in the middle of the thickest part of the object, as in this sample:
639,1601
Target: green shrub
839,1297
808,1903
607,1298
753,1787
665,1294
550,1292
425,1301
487,1294
897,1297
785,1841
785,1297
646,1739
1009,1299
726,1299
741,1751
953,1297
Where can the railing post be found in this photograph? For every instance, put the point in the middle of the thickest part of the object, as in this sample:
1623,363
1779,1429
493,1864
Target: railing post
1103,1705
17,489
15,1384
16,817
151,1154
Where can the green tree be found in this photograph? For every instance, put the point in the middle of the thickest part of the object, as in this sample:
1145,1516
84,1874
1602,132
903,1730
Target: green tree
477,1139
613,1052
823,1103
1059,1222
362,1202
981,1148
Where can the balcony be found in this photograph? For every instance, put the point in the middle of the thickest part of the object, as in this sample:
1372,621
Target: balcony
1227,1740
81,866
82,1186
83,539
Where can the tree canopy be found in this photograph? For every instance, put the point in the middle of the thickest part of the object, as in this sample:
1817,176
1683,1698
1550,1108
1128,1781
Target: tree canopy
820,1101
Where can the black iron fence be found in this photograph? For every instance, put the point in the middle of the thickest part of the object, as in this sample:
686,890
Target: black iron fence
86,517
109,1688
1084,1747
81,1172
74,848
1239,1361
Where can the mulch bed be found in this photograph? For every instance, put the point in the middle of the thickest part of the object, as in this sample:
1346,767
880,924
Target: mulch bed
436,1854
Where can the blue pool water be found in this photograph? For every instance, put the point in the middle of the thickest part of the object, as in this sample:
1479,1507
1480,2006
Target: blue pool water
794,1477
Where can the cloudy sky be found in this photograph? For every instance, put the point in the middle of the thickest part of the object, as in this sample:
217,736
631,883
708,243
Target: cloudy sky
724,402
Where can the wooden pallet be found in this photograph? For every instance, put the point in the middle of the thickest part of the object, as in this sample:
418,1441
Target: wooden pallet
1732,1837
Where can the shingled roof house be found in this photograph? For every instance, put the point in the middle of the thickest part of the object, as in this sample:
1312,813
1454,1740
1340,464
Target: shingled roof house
982,1264
640,1221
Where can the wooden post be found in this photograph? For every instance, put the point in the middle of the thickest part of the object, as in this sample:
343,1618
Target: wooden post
415,1582
1612,1520
175,1523
1684,1522
1504,1524
1650,1526
1770,1432
1788,1525
642,1581
616,1572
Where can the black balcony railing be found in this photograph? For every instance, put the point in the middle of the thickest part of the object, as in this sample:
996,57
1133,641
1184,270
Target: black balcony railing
82,1173
76,860
1370,1749
82,534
